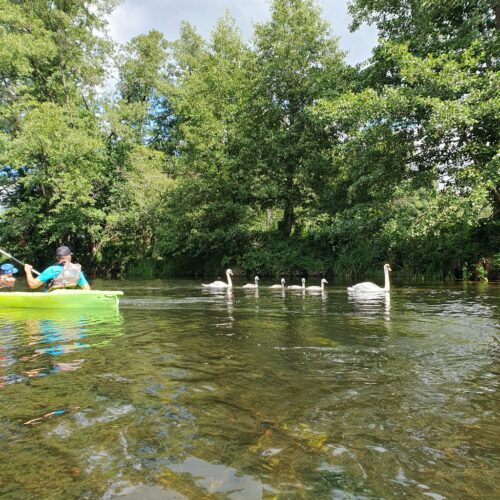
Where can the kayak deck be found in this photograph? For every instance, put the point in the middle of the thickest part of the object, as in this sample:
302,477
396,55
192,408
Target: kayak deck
61,299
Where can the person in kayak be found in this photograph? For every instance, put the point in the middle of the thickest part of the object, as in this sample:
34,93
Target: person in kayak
7,280
64,274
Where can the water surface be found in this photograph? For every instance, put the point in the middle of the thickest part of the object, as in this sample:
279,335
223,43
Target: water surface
186,393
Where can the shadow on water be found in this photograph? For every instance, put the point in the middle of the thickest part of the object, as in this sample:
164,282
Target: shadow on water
188,393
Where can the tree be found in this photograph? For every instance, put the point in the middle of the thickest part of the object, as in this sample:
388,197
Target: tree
54,153
420,133
206,212
431,26
58,159
446,52
137,124
298,62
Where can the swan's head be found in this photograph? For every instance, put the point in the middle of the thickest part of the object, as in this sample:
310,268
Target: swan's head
282,281
324,281
229,272
256,278
387,267
303,281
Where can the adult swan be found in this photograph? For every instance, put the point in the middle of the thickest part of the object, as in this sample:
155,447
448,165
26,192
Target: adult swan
221,284
367,287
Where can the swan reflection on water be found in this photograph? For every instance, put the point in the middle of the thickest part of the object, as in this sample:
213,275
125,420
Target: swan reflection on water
370,304
219,293
249,292
223,296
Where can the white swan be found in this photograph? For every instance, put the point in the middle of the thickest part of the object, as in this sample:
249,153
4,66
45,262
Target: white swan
221,284
297,287
367,287
252,285
279,286
317,288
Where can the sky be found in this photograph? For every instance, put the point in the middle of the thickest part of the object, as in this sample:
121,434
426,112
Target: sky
135,17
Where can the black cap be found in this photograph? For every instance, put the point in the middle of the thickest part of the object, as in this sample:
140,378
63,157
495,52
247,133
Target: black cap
63,251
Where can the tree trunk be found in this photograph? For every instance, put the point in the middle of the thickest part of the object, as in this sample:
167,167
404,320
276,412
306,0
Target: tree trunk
288,220
269,217
286,224
495,197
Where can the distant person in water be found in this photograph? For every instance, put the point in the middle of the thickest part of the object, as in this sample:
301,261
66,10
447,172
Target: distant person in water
7,280
63,274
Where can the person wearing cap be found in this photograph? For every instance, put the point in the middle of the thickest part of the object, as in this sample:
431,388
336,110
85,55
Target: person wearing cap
64,274
7,280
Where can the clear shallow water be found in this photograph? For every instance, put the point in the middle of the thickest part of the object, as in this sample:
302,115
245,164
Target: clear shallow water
192,394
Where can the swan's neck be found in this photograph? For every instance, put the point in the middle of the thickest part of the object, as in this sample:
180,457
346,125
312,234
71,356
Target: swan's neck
387,283
229,282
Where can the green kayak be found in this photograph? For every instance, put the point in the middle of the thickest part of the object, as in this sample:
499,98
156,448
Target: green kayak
61,299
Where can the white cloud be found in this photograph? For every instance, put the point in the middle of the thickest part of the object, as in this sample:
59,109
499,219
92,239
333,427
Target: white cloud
134,17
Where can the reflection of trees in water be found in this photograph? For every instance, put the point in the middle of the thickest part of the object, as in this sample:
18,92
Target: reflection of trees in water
297,399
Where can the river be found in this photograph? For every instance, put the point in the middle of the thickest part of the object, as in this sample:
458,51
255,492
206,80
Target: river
185,393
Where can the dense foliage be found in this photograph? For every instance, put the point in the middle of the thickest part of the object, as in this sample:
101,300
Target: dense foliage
273,156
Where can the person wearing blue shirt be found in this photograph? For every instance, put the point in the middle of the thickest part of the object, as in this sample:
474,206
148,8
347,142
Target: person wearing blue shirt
64,274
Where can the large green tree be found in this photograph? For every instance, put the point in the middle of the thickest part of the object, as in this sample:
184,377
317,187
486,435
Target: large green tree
206,213
445,55
419,166
137,129
52,155
431,26
297,62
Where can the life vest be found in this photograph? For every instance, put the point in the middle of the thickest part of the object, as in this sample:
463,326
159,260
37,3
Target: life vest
7,284
67,278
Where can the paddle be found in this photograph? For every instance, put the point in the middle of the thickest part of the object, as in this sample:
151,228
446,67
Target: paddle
17,261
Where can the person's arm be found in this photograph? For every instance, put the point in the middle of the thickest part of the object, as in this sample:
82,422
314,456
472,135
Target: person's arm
32,281
83,283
